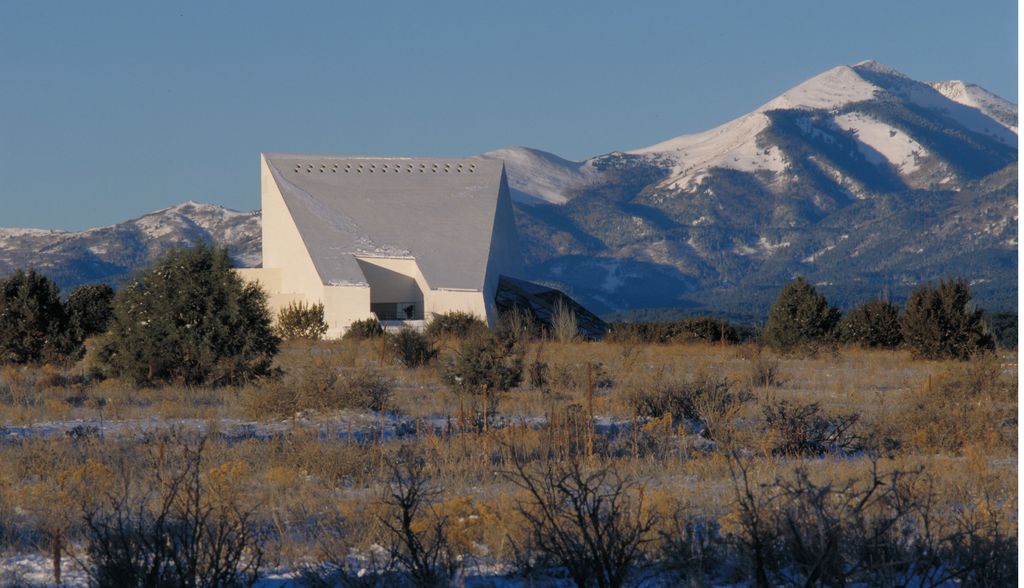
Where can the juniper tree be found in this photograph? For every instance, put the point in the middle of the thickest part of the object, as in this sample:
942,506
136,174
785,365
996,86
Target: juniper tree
873,324
33,321
89,309
799,318
939,322
191,320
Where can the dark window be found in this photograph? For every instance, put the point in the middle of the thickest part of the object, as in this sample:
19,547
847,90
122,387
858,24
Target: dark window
392,311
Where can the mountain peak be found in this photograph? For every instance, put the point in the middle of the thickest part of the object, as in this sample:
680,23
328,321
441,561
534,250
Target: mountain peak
873,66
537,176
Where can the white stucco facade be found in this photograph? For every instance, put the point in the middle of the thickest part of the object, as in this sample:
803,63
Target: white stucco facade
390,238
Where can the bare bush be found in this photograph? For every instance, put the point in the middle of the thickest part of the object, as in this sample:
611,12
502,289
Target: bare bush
564,325
320,386
764,370
802,429
708,399
417,536
591,521
181,529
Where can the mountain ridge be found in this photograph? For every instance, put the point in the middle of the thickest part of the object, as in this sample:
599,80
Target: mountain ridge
860,178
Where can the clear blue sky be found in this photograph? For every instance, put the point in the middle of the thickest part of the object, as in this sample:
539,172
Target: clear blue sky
111,110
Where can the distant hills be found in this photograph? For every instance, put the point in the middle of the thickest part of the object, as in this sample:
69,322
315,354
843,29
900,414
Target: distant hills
861,179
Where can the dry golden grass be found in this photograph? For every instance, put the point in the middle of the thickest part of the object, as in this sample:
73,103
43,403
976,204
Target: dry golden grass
956,421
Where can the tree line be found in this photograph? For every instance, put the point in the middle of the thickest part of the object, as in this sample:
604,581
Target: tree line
190,319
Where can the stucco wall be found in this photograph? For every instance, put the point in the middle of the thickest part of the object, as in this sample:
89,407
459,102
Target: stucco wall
393,280
283,247
343,305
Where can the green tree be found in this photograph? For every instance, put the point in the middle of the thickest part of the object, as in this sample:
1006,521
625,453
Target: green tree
33,322
938,322
191,320
299,320
800,318
411,347
482,368
89,309
873,324
455,324
368,328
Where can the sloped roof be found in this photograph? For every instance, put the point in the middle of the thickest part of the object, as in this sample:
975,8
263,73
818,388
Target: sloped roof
438,211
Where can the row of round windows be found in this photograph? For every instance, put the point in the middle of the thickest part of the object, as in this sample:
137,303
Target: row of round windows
385,168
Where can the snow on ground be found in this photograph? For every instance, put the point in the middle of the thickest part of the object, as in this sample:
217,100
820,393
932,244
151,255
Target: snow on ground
37,570
536,176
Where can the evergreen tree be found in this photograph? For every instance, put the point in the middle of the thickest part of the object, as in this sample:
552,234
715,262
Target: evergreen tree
938,322
191,320
800,318
33,322
873,324
89,309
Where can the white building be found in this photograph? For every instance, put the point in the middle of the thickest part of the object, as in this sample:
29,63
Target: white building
396,238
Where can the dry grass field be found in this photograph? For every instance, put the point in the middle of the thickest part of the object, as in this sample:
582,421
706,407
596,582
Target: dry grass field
700,464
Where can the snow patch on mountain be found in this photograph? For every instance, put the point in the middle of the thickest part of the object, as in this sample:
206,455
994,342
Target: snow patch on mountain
881,143
732,145
535,176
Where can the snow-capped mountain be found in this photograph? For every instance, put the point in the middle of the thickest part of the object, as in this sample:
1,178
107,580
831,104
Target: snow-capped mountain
113,253
860,178
750,203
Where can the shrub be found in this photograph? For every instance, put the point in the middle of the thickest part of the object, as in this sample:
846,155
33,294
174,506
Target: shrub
33,322
417,537
89,310
564,325
764,370
592,522
411,348
368,328
299,320
879,529
319,387
699,329
190,319
872,324
709,400
175,530
938,323
482,368
517,327
802,429
364,389
966,405
800,318
1003,326
455,324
